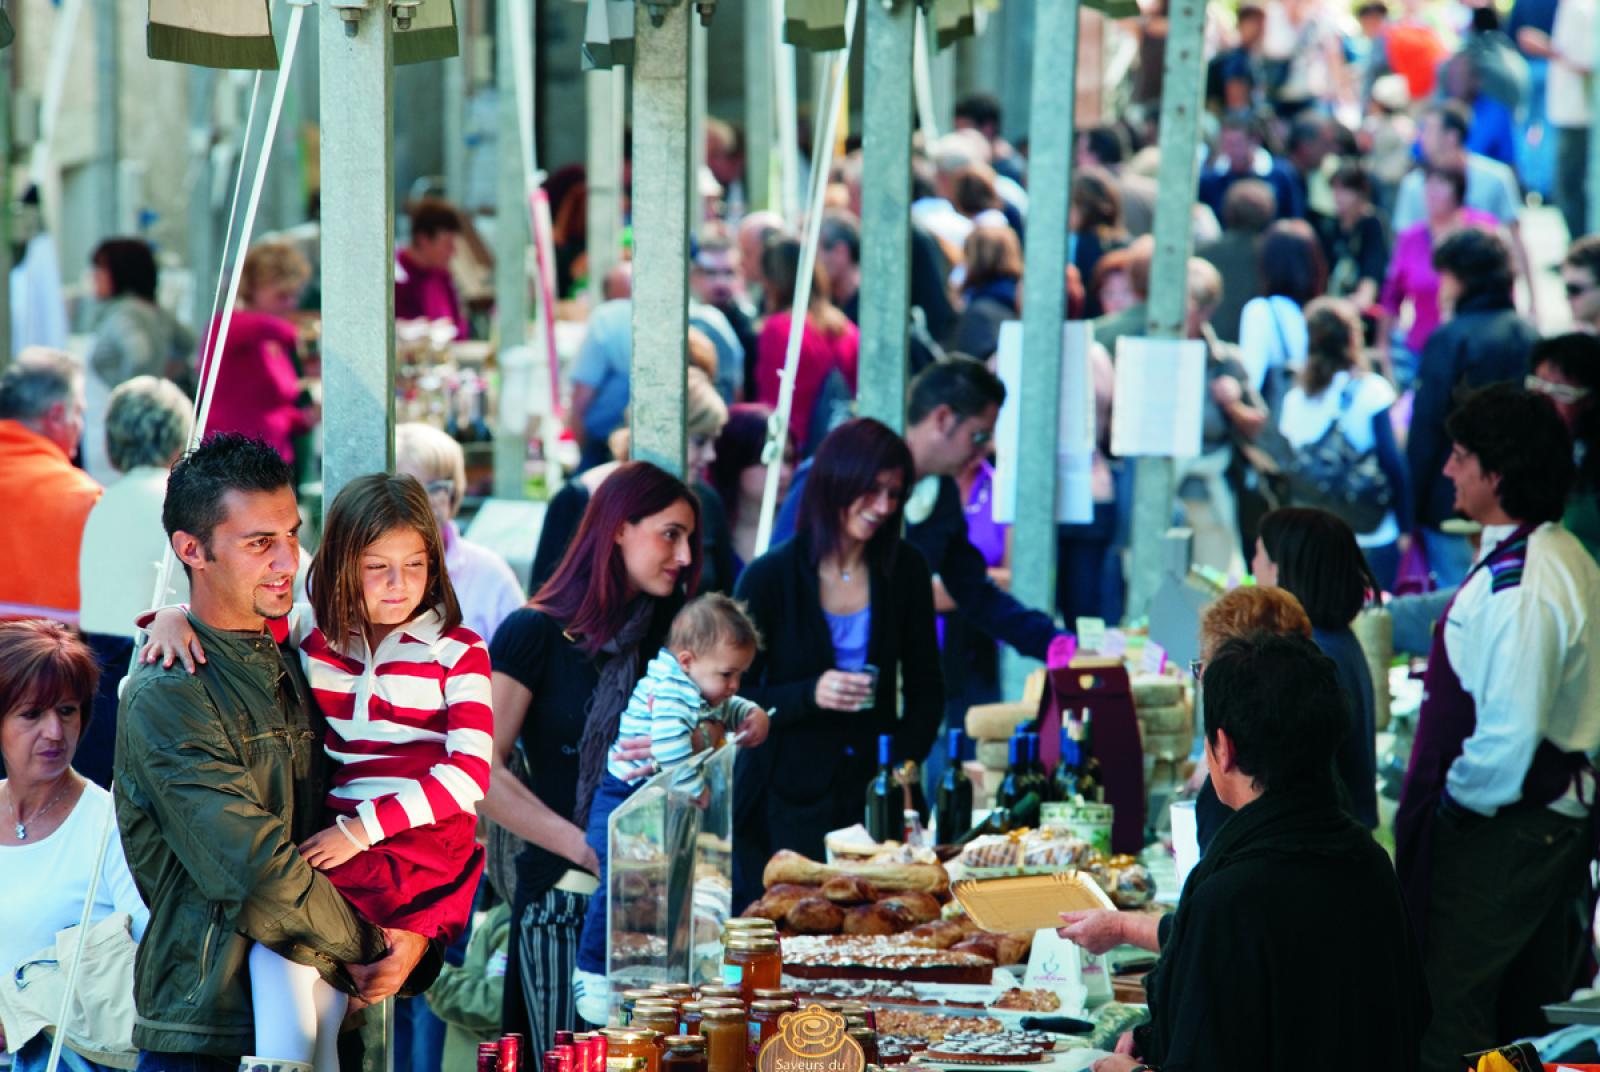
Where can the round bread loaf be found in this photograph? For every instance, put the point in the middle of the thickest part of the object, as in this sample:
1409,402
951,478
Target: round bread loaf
996,722
1156,690
1164,718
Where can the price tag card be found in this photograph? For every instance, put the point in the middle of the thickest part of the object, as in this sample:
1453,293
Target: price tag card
1154,658
1116,643
1091,634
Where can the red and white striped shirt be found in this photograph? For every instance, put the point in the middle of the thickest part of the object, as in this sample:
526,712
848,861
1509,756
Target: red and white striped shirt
410,724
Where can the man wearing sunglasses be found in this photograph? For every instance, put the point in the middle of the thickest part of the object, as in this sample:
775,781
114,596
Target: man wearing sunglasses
1580,272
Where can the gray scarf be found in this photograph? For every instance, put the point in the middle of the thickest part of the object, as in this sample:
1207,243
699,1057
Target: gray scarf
617,679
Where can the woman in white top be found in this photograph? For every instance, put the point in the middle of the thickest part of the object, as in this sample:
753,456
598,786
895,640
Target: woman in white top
1337,387
51,817
1272,328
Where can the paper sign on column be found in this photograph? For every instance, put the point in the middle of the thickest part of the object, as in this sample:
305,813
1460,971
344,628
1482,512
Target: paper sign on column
1157,407
1075,430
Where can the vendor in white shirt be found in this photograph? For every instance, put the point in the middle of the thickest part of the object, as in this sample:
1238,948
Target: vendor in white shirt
1492,837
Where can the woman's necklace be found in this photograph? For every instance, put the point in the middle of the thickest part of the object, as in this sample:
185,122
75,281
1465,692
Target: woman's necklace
20,827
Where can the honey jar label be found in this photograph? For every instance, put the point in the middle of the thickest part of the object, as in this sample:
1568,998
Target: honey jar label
811,1039
732,974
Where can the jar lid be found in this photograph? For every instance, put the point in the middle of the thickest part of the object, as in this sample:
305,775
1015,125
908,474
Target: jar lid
656,1001
778,993
850,1007
720,1003
675,989
686,1042
719,990
751,944
749,923
723,1012
771,1006
625,1035
636,995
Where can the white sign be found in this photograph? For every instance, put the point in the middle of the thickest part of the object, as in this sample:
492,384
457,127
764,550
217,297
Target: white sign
1075,435
1056,965
1158,405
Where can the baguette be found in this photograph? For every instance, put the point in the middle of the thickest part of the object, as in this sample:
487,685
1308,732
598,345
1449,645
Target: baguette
788,866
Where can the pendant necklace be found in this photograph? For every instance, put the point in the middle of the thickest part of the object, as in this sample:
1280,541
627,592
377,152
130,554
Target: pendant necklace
20,828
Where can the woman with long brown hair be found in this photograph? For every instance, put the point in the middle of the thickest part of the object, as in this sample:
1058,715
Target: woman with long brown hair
829,343
564,667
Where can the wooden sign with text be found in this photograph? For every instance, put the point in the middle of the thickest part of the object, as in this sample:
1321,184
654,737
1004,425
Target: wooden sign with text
811,1039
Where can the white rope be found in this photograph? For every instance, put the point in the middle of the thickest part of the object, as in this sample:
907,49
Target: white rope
233,212
832,90
788,113
922,78
83,935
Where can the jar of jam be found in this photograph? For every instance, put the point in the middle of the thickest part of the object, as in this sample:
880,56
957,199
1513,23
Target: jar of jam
630,998
631,1043
776,993
684,1053
689,1016
662,1018
763,1019
727,1039
868,1039
753,963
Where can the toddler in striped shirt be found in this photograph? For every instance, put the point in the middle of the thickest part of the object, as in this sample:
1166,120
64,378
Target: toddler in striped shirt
404,688
685,704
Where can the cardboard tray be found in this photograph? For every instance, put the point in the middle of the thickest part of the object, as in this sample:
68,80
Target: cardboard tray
1029,902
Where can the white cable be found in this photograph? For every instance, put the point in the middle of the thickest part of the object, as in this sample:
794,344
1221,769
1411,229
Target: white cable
832,90
233,212
788,107
83,935
922,79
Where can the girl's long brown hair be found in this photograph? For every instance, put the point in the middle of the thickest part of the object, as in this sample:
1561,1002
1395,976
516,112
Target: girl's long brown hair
362,512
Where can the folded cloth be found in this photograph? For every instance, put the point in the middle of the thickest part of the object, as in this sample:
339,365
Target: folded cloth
100,1023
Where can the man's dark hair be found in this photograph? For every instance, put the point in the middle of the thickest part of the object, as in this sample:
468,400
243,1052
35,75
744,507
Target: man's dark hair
1576,355
1353,177
979,109
1240,123
1278,699
962,383
1456,177
1306,127
1108,143
223,462
1248,11
1319,563
1585,254
840,228
1250,205
434,215
1453,116
1372,7
1478,259
130,264
1517,435
1291,262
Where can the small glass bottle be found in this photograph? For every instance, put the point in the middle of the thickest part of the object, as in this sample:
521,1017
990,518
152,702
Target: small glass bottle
511,1053
689,1016
684,1053
629,1043
727,1039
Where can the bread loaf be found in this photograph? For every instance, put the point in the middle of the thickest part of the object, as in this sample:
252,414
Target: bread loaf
937,934
850,890
994,755
815,915
919,907
984,945
1014,948
1155,690
997,721
789,866
777,901
875,919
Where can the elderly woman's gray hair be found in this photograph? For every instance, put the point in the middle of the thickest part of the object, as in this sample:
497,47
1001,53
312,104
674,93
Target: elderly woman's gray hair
147,423
431,455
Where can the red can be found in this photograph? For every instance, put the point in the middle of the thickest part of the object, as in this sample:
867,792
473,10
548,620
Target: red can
488,1057
592,1053
511,1053
564,1038
566,1056
552,1061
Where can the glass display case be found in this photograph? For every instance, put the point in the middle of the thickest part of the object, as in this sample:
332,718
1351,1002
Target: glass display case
670,878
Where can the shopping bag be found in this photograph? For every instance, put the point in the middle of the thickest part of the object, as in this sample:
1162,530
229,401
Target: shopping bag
1412,576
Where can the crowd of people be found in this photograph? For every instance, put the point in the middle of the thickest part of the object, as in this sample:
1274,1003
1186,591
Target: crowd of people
297,762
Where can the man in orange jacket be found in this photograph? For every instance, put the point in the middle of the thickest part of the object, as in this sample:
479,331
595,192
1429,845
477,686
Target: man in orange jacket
44,498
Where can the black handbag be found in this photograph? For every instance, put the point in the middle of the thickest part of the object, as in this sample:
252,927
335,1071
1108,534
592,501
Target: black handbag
1331,474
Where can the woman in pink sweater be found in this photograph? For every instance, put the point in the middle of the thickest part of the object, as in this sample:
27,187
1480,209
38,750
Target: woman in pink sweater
829,341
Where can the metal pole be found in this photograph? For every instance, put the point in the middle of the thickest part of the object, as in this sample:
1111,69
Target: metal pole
661,240
511,238
604,91
1044,306
1153,478
758,118
788,121
108,94
941,76
1017,30
697,121
202,221
455,113
886,123
357,112
1592,177
6,101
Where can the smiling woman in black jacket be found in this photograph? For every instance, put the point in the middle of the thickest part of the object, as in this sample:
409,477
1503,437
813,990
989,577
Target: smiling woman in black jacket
845,595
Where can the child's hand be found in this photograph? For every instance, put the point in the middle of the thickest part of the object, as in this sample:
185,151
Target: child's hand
753,730
327,849
171,637
707,734
703,801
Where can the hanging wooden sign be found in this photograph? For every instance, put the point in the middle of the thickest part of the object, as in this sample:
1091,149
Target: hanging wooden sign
811,1039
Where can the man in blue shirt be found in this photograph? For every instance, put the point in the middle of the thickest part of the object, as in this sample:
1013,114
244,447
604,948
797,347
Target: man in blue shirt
1240,156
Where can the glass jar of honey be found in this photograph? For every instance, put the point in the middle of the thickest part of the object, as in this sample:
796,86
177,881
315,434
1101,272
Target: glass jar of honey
684,1053
764,1017
753,963
689,1016
630,1043
676,991
727,1039
630,998
660,1017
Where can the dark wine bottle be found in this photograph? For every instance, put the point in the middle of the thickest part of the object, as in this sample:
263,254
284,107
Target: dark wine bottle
1064,785
1024,814
1011,788
954,815
1034,778
885,812
1090,784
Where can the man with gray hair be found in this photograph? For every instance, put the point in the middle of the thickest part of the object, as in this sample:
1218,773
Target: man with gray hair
148,422
47,498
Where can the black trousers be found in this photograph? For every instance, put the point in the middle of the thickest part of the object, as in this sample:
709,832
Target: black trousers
1506,928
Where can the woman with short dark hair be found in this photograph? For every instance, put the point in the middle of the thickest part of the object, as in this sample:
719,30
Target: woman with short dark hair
1095,220
846,608
1272,327
1313,555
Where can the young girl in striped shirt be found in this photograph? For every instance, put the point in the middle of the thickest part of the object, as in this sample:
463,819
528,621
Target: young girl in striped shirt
405,691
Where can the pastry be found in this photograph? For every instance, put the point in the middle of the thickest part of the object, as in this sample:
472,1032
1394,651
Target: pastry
815,915
1014,948
920,907
984,945
975,1052
1062,853
991,851
849,890
1016,1000
936,934
931,1027
872,919
790,866
880,957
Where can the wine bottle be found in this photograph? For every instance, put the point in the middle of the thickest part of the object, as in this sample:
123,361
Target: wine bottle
885,814
1011,790
1034,777
1024,814
1090,783
1064,785
954,815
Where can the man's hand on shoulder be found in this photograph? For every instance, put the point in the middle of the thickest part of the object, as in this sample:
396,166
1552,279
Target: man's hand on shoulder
384,977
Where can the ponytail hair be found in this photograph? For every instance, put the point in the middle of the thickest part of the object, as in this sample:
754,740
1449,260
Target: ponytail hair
1333,334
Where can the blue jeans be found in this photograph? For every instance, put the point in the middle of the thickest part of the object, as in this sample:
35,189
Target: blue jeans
418,1036
1449,557
1536,163
35,1057
608,796
184,1062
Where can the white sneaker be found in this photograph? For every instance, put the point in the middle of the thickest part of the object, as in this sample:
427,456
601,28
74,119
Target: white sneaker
593,995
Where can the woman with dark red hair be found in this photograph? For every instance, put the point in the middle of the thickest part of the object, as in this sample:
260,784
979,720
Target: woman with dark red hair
740,477
564,667
843,606
53,816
